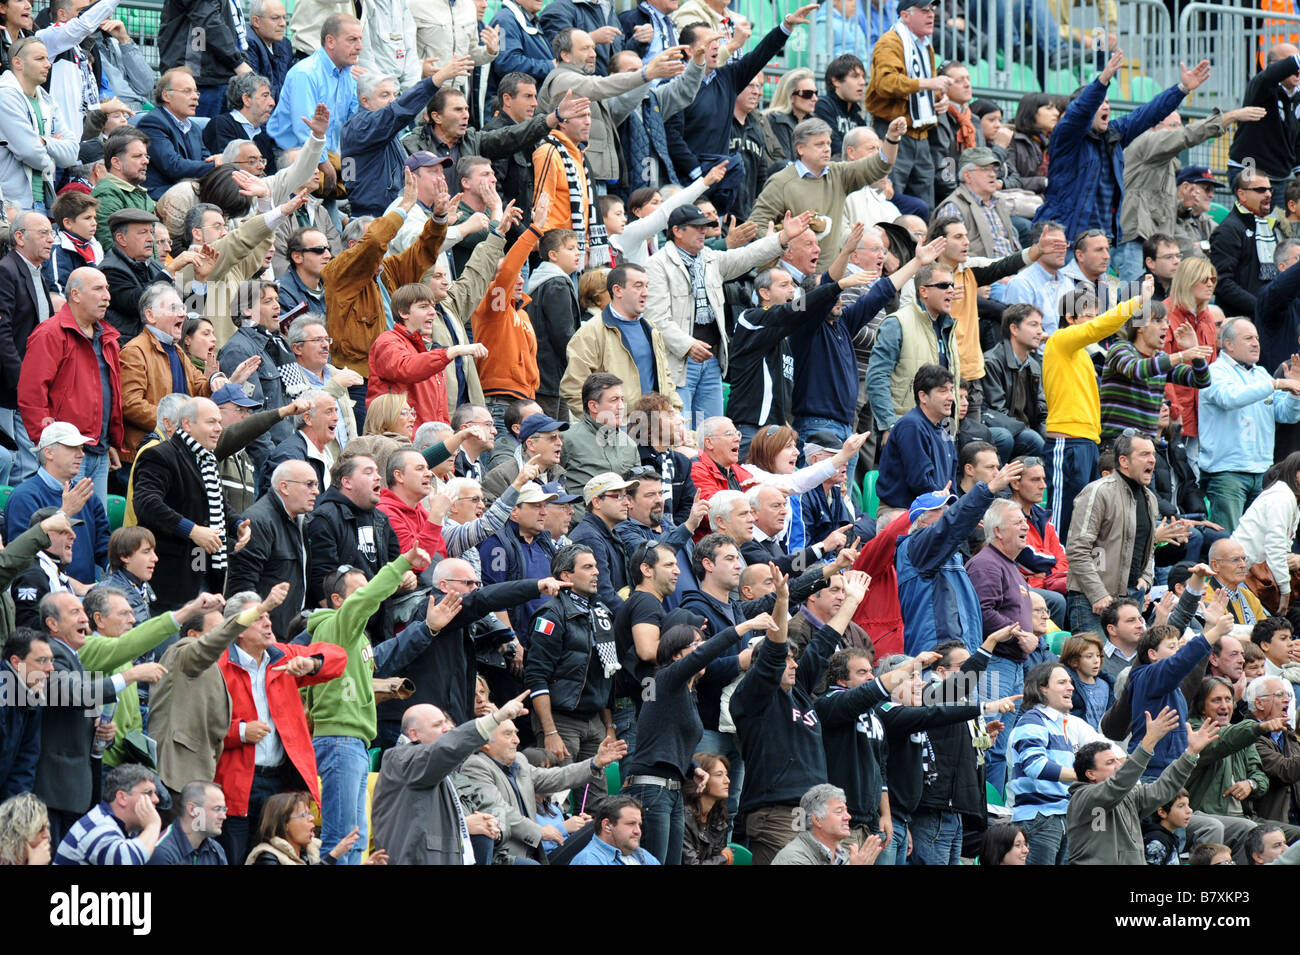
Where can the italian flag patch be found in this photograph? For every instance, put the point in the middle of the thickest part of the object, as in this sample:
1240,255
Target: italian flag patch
544,626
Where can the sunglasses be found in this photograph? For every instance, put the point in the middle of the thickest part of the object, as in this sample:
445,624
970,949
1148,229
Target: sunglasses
805,94
315,249
941,286
1259,189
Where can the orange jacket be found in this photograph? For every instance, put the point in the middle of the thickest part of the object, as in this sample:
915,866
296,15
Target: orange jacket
510,368
400,364
548,176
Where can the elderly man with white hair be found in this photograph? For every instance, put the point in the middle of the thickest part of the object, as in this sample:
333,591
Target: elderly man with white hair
975,202
872,203
309,442
1270,698
771,516
278,548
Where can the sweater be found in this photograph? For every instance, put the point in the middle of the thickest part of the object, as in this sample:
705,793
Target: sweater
919,457
1154,686
1133,387
1070,378
1038,750
857,754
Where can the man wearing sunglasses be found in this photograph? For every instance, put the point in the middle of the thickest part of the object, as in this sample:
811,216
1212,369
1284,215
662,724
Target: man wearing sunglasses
1245,244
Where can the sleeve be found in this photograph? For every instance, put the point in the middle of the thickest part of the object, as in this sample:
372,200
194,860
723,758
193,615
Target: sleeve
756,60
1029,753
392,360
1163,676
843,707
770,205
1227,251
880,370
105,654
1229,394
1085,526
37,380
246,566
287,181
511,58
137,409
18,555
167,160
518,137
1127,362
1147,115
1113,791
20,134
395,654
543,652
678,94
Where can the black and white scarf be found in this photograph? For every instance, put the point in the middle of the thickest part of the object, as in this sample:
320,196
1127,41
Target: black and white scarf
699,286
582,206
293,380
211,473
916,54
602,632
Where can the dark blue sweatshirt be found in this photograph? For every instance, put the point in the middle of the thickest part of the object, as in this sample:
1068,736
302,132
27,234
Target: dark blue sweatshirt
918,458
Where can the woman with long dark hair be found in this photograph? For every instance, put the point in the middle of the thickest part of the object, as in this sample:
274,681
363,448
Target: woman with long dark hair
1004,844
707,820
1036,117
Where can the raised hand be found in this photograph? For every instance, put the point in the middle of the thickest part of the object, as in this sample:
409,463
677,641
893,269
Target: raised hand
460,65
417,557
794,226
1112,67
1158,727
279,593
571,106
1002,480
297,666
868,852
75,496
515,708
929,253
250,185
442,612
1201,738
611,750
763,623
714,176
856,583
319,123
1194,77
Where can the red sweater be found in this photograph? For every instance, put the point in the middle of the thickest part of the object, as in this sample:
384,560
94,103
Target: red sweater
400,364
880,614
235,767
412,524
60,379
1183,400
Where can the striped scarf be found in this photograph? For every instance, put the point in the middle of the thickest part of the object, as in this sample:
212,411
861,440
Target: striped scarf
699,286
207,463
589,238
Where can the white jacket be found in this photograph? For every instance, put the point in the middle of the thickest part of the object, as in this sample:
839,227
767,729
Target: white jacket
1267,529
25,155
671,305
308,17
444,30
632,242
388,42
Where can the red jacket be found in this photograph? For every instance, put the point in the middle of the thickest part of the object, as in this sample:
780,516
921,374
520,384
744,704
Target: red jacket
1047,543
57,351
1183,400
709,480
412,524
880,614
235,767
400,364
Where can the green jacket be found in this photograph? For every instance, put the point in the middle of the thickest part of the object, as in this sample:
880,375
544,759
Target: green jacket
114,195
15,559
1230,758
346,707
112,655
1104,822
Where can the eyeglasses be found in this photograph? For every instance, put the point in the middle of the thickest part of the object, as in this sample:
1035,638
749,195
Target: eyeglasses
643,471
311,484
941,286
1169,257
407,412
476,499
254,161
616,495
302,815
1279,695
804,94
468,582
1210,279
317,341
1229,560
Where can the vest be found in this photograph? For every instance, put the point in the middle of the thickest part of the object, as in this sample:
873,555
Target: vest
919,347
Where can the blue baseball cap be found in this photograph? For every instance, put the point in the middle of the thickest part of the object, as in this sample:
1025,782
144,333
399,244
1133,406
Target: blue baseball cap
929,502
539,423
1198,174
231,393
556,488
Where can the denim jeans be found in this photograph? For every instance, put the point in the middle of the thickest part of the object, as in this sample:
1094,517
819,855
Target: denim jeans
343,765
936,838
1046,836
24,459
702,394
625,725
806,426
237,830
662,821
728,745
497,408
896,852
95,467
212,101
747,433
1230,493
1001,678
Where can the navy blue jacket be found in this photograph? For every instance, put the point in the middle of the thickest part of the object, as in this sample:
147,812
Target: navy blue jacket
369,140
558,14
521,51
173,155
174,849
20,738
267,386
272,62
1154,686
611,557
502,557
1277,316
222,130
821,516
919,457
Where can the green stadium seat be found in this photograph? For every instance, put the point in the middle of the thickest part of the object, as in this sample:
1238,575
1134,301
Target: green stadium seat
1056,640
992,796
740,855
1143,89
1023,79
870,502
981,74
116,511
376,756
726,396
613,779
1218,213
5,491
1061,82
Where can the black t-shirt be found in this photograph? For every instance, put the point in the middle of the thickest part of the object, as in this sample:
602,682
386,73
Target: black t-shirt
640,607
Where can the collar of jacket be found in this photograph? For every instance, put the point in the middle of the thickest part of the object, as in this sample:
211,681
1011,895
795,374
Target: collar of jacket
107,332
414,338
273,652
122,184
527,21
570,609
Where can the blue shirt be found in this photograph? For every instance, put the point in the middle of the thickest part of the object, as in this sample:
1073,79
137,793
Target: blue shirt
599,852
1034,286
89,550
637,342
311,81
1238,417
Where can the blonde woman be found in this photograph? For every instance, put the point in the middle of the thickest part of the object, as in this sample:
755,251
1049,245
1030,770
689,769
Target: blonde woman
24,831
794,101
391,416
1190,292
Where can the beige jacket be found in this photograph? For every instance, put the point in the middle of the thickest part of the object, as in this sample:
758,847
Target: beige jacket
1103,532
598,346
240,256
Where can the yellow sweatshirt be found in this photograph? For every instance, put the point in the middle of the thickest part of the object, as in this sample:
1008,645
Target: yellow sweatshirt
1070,377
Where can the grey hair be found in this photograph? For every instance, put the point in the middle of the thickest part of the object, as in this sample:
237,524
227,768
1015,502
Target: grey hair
21,221
190,410
754,495
808,129
853,138
995,517
427,433
457,486
194,219
281,472
723,503
315,396
241,85
231,152
763,281
256,8
892,662
298,330
125,777
1256,687
96,600
816,801
356,228
1284,248
1229,330
153,294
49,607
169,410
709,427
368,83
236,603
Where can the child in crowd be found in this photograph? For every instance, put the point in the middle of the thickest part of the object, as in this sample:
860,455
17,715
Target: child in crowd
1165,833
1094,691
74,218
554,310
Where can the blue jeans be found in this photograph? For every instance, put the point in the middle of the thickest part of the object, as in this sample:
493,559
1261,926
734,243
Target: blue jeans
212,102
662,824
24,459
1046,837
625,726
1001,678
1027,441
936,838
1128,261
1082,617
806,426
702,394
1230,493
95,467
896,852
1047,33
747,433
343,765
726,744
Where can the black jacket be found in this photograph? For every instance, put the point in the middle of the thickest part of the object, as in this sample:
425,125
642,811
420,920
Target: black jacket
292,448
747,140
20,736
222,129
562,657
762,552
18,319
63,772
268,388
443,673
1277,316
841,116
556,315
276,552
679,470
514,172
1013,395
183,22
857,754
1273,142
958,782
912,759
611,557
339,533
127,279
273,62
1242,276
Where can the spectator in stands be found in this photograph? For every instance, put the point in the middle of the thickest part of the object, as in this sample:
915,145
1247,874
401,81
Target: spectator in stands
26,664
310,345
1271,145
308,252
524,47
324,77
126,160
1227,559
1195,194
310,442
1091,250
250,101
1043,283
1237,420
347,529
1123,627
1265,844
975,201
520,549
130,267
617,837
541,437
793,101
1190,290
598,443
1048,581
1004,844
176,149
707,822
1269,698
74,217
46,575
190,839
37,140
606,499
25,831
820,842
1242,247
1161,255
269,53
1014,405
920,456
1036,117
406,476
874,202
25,302
846,81
1094,688
123,829
285,836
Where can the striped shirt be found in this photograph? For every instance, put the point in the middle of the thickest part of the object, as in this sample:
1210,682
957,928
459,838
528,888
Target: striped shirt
99,838
1133,386
1038,750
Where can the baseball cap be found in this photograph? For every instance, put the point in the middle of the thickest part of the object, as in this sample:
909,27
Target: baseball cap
234,393
977,156
532,493
1198,174
539,423
60,432
44,512
556,489
604,484
928,502
821,441
905,4
688,215
426,158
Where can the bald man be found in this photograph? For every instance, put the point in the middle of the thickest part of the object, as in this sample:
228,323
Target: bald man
1273,143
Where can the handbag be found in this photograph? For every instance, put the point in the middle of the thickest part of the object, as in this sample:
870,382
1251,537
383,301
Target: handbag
1262,584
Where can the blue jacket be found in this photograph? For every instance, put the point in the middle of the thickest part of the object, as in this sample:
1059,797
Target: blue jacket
521,51
503,558
918,458
273,62
1277,316
1077,159
937,598
90,551
370,141
174,848
611,557
1037,751
1153,687
20,736
588,16
599,852
173,155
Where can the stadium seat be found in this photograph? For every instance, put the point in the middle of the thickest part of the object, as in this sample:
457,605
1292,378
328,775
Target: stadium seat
1218,213
376,757
5,491
740,855
613,779
1056,640
870,502
993,797
116,511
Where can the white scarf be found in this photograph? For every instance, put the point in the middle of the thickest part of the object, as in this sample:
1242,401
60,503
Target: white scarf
916,55
525,24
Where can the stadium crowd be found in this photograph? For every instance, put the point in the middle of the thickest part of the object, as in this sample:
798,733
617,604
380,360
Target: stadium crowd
439,440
